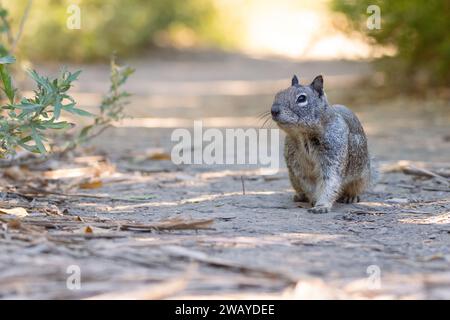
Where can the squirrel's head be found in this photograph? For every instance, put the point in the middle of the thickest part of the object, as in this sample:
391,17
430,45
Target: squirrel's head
300,106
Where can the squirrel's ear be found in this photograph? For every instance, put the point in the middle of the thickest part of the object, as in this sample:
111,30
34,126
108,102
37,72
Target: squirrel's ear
317,85
294,81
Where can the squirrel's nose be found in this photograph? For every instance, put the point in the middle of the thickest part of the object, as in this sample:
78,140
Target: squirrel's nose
275,110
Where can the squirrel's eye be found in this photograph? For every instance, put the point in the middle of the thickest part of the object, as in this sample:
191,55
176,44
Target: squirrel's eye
301,99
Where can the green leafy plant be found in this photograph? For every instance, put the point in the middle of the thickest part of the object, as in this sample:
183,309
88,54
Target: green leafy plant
26,122
5,31
417,30
111,108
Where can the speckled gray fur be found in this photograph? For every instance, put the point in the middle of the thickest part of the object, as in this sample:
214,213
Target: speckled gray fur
326,147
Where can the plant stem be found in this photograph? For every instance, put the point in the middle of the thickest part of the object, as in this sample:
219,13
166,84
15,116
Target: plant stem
15,41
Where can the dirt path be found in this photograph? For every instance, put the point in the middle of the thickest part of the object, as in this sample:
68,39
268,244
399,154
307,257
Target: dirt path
394,244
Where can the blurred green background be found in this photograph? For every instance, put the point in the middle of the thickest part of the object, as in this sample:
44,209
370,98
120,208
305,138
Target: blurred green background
125,27
419,31
414,34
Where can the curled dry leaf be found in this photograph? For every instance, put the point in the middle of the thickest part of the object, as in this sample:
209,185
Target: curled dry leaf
18,212
52,210
173,224
95,170
70,173
89,159
89,230
159,156
94,184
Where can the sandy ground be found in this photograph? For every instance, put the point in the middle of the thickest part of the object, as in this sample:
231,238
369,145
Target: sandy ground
393,244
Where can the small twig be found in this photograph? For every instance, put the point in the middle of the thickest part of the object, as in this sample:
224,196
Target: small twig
70,223
8,30
407,168
220,263
25,161
416,212
424,172
152,292
21,26
404,186
169,225
43,193
363,212
76,143
436,189
86,236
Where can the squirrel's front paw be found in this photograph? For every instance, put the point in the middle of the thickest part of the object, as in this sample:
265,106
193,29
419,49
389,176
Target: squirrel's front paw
320,209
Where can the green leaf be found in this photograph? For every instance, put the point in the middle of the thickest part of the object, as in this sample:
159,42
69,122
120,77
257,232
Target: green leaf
7,60
29,148
8,88
73,77
70,108
27,122
84,134
3,13
29,106
58,107
26,139
57,125
38,140
42,81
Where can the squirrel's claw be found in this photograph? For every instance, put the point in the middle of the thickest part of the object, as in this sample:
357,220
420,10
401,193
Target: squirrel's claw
319,209
349,199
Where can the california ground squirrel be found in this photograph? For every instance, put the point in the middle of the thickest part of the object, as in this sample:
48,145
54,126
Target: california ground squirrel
326,147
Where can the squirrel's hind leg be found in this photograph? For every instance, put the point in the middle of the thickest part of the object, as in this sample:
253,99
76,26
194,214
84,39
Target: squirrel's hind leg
352,190
300,194
300,197
348,199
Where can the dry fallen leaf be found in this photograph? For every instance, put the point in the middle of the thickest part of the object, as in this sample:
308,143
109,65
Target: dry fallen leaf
89,159
95,184
14,224
159,156
18,212
96,170
15,173
152,154
88,230
171,224
69,173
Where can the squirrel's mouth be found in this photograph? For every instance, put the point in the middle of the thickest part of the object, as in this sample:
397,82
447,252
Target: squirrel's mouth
296,126
284,124
278,120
